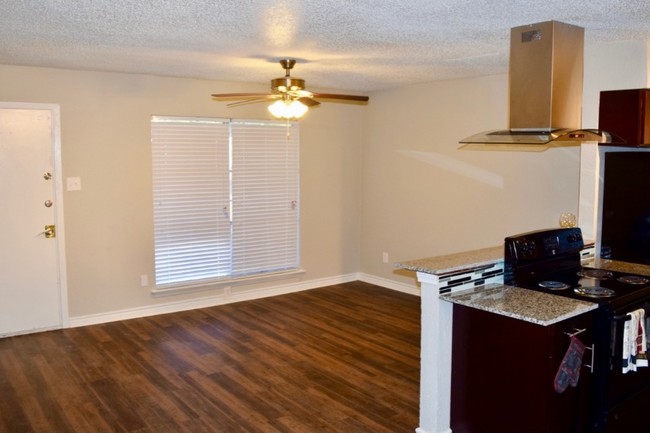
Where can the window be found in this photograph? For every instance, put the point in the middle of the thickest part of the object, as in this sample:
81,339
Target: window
225,198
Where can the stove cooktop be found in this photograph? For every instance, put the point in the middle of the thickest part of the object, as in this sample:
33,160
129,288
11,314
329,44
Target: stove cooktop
591,284
549,261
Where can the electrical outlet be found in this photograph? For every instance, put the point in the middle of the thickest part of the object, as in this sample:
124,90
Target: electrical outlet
385,257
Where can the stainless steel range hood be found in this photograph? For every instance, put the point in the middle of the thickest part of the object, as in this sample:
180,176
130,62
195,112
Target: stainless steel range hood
545,91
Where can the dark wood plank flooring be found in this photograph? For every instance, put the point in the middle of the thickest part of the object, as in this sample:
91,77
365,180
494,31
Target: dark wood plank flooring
342,358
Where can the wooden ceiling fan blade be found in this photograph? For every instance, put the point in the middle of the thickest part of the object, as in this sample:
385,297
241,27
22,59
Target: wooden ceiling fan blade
241,95
246,101
343,97
309,102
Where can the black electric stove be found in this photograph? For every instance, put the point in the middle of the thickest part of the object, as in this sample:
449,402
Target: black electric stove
549,261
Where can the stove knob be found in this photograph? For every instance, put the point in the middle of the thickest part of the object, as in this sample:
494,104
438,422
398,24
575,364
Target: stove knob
576,237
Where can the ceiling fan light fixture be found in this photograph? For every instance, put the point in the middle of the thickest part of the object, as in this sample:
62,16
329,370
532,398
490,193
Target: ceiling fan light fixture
293,101
287,83
282,109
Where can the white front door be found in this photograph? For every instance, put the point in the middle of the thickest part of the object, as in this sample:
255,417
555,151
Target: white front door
32,266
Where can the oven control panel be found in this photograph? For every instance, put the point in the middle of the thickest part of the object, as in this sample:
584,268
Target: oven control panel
543,244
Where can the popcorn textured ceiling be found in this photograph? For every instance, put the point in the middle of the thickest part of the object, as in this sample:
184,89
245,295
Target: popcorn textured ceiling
360,45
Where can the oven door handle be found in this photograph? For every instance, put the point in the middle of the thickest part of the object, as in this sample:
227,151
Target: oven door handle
576,332
593,352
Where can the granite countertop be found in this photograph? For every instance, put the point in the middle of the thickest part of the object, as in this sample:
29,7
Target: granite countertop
614,265
472,259
454,262
528,305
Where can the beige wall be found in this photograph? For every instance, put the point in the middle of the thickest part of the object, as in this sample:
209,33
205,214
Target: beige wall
105,141
615,65
425,197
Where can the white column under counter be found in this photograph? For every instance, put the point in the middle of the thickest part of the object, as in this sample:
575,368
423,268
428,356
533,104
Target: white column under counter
439,275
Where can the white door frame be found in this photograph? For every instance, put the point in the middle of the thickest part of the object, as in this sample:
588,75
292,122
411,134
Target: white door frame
58,197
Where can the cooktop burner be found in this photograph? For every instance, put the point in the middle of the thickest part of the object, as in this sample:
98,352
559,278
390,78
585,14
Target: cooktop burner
599,274
633,279
553,285
595,292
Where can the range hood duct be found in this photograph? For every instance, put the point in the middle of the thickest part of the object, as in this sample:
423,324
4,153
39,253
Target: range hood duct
545,90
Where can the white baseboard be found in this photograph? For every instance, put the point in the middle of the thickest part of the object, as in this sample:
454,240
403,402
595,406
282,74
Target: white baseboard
421,430
211,301
411,289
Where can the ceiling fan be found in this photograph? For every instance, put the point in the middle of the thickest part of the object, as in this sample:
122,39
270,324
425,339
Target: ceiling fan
291,99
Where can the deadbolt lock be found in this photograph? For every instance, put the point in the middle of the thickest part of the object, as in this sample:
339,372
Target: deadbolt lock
50,231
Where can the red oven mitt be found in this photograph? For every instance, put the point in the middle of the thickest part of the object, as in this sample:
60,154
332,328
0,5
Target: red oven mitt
569,371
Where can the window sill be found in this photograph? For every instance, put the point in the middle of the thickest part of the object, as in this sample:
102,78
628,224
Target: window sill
178,289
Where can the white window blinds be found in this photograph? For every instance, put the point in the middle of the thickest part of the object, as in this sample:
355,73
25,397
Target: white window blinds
225,198
265,198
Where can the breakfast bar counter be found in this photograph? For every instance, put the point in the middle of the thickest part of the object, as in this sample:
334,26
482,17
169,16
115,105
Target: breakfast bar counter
455,262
